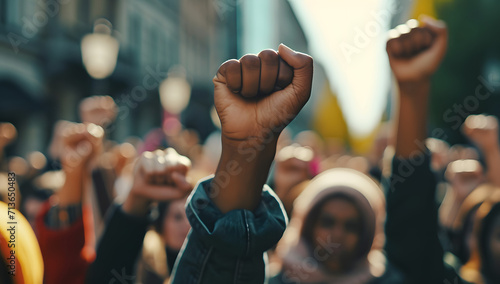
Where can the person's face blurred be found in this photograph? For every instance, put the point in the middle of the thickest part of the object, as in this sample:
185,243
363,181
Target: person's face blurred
175,225
494,246
336,234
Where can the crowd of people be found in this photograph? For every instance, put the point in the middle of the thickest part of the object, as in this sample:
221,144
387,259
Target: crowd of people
253,204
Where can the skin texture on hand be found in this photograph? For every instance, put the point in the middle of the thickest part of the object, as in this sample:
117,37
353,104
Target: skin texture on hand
255,98
415,53
257,93
159,176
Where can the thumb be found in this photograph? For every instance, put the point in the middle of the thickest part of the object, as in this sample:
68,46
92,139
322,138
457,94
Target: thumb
440,31
297,60
303,68
436,26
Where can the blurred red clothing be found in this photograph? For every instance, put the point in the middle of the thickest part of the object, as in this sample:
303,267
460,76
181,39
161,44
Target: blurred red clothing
65,255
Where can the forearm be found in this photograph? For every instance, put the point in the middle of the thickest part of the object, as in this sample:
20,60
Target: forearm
72,190
241,174
411,129
492,158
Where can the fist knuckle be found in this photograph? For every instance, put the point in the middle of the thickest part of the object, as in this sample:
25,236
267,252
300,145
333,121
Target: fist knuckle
250,61
268,56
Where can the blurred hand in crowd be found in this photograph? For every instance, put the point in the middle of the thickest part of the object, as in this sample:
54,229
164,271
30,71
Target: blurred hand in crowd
158,176
292,168
100,110
464,176
8,133
482,130
80,144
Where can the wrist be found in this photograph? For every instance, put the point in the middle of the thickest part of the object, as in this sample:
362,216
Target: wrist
135,205
414,89
241,174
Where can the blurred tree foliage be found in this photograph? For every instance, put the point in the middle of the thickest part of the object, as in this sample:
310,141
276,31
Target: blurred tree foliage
471,67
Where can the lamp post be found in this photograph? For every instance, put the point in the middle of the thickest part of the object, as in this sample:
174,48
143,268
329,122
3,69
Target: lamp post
100,50
175,91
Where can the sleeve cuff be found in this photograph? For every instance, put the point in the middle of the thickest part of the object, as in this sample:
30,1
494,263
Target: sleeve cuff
238,232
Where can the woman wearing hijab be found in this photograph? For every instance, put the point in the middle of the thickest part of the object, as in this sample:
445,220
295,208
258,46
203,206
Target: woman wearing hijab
336,233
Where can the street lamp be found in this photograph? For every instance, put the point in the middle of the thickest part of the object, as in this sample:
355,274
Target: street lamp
100,50
175,91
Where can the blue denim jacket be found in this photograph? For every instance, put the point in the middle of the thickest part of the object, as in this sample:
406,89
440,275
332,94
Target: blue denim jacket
228,248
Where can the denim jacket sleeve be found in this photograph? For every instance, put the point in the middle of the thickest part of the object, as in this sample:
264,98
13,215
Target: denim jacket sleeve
228,248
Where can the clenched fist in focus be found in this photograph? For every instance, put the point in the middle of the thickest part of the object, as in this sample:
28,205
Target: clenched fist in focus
258,95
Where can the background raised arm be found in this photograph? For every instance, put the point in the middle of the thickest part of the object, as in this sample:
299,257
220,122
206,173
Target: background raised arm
415,53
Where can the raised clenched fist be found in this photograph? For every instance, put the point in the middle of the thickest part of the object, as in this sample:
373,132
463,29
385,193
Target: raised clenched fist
482,130
100,110
158,176
415,51
79,144
258,95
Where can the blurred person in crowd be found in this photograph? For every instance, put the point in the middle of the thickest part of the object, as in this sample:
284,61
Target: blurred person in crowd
158,176
292,166
463,177
64,225
484,262
32,203
461,231
482,130
336,233
8,133
162,244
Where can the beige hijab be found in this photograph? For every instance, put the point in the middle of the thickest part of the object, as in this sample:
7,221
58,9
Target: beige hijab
298,262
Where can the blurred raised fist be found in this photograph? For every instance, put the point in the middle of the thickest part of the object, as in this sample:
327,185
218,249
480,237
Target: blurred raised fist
292,167
464,176
258,95
100,110
415,51
482,130
8,133
79,144
158,176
